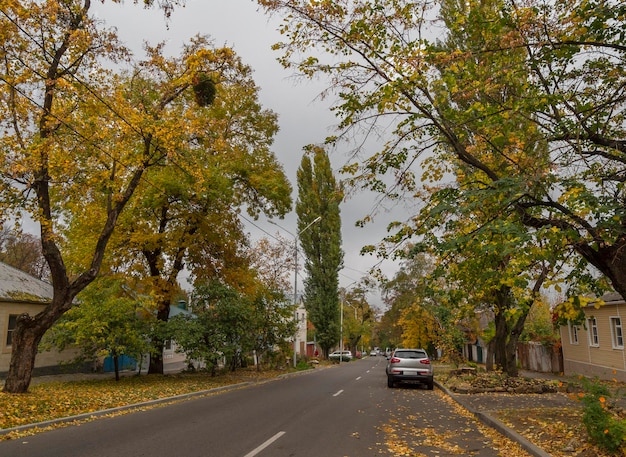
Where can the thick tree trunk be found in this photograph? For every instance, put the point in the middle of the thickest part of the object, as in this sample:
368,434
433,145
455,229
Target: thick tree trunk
489,364
354,345
499,340
610,260
25,341
511,356
156,356
514,335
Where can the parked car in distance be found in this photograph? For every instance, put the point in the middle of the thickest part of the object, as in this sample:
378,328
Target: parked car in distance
373,353
344,356
410,365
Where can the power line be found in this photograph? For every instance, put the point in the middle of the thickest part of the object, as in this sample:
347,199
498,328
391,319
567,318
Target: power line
105,103
286,243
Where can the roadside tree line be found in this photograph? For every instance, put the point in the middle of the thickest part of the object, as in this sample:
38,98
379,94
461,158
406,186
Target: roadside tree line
133,169
502,128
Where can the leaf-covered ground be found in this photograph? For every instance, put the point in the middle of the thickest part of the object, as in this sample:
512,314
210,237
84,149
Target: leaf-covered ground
556,429
54,400
560,431
544,411
408,434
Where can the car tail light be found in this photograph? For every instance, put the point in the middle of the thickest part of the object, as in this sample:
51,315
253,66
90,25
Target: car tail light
394,360
425,361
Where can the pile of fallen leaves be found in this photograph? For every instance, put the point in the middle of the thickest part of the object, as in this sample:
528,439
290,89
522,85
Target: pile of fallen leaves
473,382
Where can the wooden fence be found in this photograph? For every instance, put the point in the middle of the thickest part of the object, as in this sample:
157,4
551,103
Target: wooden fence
537,357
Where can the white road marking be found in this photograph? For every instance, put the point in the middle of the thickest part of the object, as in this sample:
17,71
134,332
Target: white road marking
358,378
264,445
338,393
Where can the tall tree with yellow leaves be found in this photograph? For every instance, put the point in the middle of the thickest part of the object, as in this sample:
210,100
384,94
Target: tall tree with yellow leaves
185,211
69,138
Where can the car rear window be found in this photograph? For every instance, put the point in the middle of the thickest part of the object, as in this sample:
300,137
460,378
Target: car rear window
411,354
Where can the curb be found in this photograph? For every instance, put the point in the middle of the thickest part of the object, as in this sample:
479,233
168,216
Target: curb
104,412
494,423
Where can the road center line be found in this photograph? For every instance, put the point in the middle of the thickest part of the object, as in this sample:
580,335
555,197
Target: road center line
338,393
264,445
358,378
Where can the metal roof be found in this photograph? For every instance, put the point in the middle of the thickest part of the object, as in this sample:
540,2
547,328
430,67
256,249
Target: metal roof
17,286
612,298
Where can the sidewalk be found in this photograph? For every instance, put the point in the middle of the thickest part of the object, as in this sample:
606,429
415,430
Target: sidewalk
168,368
485,407
519,408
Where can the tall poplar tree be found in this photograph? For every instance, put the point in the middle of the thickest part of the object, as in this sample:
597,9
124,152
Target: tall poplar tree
319,195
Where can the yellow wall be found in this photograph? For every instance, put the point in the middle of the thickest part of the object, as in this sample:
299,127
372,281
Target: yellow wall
603,361
44,359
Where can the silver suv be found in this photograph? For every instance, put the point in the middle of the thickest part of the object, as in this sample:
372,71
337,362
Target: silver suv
410,365
345,356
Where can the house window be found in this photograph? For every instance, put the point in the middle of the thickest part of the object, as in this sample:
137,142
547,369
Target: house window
617,335
11,328
592,332
573,333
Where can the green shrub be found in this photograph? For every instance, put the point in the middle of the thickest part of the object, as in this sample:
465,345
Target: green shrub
302,365
605,428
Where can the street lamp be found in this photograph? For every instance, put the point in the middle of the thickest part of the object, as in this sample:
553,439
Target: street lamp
295,279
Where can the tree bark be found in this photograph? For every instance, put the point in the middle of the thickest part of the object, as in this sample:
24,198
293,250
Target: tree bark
500,338
489,363
510,367
156,356
505,340
25,342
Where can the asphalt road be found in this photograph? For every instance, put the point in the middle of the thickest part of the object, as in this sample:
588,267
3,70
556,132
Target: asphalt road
344,411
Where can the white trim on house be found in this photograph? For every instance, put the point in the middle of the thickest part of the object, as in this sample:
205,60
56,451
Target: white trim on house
617,332
573,331
592,332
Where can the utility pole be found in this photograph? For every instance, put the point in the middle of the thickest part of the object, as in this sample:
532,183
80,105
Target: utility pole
295,280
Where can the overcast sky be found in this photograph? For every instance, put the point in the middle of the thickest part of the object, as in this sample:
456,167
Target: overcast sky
303,118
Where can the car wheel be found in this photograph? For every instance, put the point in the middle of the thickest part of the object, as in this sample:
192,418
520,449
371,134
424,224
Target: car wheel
390,383
430,385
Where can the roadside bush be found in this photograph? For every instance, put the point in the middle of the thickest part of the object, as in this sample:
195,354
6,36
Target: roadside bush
604,426
302,365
